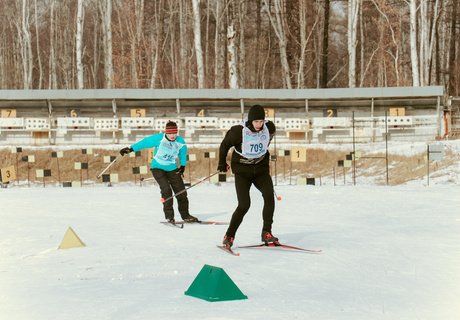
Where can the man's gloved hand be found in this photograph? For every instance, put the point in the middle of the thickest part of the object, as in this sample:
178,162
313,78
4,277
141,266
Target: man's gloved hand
223,167
126,150
181,170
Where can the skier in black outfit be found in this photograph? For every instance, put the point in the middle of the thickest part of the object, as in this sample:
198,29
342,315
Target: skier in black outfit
250,165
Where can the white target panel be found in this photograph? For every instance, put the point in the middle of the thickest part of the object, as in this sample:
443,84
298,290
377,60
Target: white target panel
11,122
137,122
37,124
201,122
280,123
425,120
331,122
114,177
75,184
296,124
106,124
227,123
397,121
74,122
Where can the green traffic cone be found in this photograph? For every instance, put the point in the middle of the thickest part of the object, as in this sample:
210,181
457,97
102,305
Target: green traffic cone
213,284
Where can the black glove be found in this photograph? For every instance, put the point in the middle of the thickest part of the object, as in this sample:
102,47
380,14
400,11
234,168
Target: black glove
181,170
223,167
126,150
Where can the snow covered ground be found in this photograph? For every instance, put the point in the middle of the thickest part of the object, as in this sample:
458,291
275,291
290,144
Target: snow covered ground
388,253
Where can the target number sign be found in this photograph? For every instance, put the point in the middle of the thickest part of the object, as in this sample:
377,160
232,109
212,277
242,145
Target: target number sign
8,113
7,174
298,155
137,113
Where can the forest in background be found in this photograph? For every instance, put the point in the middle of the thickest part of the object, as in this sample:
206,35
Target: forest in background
92,44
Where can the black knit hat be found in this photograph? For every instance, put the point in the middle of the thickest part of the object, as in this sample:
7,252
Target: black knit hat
256,113
171,127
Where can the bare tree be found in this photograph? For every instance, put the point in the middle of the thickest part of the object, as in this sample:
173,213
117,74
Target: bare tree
242,44
304,39
106,10
279,28
452,75
428,19
207,53
3,54
79,44
10,66
183,48
232,63
133,25
52,82
413,43
197,40
303,43
137,47
37,43
156,41
25,42
257,60
325,46
353,12
432,40
423,39
219,45
96,52
393,52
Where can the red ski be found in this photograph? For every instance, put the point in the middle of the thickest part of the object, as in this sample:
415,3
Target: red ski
229,250
217,223
173,224
279,246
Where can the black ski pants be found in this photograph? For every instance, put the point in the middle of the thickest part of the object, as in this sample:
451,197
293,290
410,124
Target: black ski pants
170,181
243,182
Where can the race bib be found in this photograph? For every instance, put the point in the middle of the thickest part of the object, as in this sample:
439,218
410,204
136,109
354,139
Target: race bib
255,144
167,152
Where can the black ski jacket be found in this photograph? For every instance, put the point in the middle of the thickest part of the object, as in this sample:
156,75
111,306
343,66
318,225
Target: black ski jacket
240,164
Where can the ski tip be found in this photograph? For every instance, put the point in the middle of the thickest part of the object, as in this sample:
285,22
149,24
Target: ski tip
177,225
230,251
216,223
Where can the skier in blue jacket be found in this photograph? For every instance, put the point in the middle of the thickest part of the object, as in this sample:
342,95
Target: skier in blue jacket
168,146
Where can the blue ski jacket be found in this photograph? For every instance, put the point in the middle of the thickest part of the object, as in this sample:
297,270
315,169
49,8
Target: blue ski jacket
165,151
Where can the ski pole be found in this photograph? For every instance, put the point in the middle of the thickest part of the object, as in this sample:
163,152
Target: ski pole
163,200
147,179
110,164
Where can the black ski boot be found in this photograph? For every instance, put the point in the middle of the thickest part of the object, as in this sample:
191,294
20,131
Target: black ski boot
268,237
191,219
228,241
